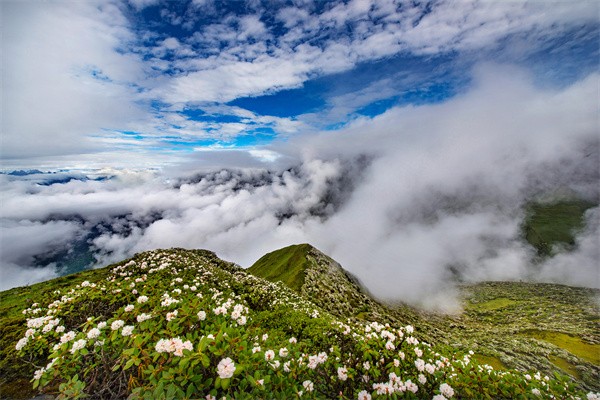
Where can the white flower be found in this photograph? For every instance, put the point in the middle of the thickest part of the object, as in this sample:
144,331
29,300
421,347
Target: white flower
78,345
389,345
446,390
143,317
93,333
411,386
308,386
420,364
275,364
536,391
142,299
422,379
364,395
241,320
269,355
38,374
283,352
21,343
226,368
202,315
342,373
171,315
116,325
101,325
255,349
127,330
438,397
418,352
409,329
67,337
366,365
293,340
129,308
265,337
286,366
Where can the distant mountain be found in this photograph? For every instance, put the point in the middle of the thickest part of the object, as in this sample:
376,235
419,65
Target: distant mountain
25,172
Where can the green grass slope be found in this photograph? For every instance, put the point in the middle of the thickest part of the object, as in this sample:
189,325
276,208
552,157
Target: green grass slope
287,265
549,226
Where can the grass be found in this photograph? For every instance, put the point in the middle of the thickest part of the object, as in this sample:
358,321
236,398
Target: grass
285,265
493,304
556,224
492,361
565,366
572,344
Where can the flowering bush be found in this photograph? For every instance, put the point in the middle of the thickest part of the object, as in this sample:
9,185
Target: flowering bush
175,324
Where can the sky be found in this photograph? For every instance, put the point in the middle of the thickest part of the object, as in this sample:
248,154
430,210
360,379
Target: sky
402,138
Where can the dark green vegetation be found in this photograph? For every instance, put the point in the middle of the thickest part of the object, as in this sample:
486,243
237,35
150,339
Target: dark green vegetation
552,226
548,328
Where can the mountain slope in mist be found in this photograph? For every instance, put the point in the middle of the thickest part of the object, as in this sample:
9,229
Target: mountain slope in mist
556,325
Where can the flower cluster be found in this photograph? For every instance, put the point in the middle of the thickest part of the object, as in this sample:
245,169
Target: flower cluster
174,346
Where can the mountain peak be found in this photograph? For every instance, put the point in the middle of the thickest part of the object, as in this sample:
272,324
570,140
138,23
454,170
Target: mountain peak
314,275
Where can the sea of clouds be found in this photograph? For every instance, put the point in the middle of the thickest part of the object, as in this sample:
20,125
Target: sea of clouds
411,201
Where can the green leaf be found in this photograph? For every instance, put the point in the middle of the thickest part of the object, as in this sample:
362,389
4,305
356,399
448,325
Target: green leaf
225,383
191,389
128,365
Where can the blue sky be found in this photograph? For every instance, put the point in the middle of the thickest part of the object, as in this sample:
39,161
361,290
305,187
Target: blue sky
149,82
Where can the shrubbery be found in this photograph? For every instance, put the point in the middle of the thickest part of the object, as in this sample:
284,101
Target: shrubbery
174,324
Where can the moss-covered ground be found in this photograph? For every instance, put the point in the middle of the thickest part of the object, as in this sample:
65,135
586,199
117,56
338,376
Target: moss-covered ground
527,325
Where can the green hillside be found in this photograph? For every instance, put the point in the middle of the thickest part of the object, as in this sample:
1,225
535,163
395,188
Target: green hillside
285,265
499,319
183,324
549,225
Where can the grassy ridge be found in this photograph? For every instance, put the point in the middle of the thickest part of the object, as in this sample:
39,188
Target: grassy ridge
496,319
285,265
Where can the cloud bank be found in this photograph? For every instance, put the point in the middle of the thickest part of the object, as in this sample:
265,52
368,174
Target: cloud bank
411,201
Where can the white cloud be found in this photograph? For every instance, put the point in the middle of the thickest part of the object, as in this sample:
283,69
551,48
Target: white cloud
63,78
438,192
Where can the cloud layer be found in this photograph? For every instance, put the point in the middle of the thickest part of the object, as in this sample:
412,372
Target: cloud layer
411,201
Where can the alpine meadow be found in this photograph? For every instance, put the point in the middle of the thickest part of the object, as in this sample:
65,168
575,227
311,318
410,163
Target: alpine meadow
295,199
